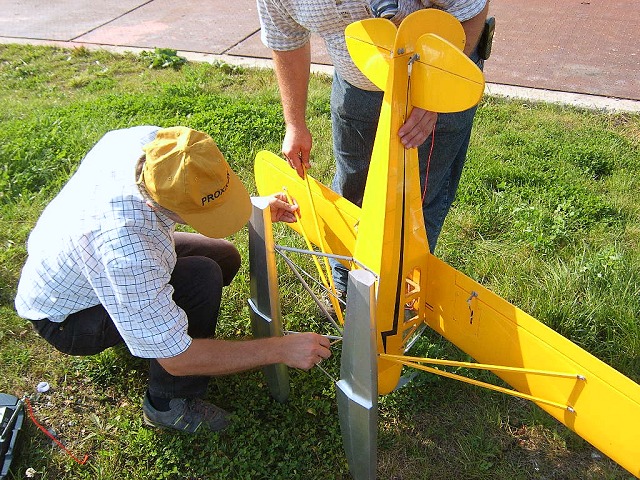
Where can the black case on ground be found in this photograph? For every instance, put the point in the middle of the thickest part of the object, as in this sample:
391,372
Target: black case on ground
11,418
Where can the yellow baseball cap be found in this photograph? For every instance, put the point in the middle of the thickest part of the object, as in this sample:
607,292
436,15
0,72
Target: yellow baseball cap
185,172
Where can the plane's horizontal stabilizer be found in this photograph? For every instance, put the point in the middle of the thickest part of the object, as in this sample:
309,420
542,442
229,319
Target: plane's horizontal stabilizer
370,44
444,79
431,44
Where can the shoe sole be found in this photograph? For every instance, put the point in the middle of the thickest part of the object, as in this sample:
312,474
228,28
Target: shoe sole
150,423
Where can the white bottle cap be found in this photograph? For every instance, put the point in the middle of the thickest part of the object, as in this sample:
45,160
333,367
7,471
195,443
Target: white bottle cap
42,387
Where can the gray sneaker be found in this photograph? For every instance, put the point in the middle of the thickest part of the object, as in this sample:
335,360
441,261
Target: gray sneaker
186,414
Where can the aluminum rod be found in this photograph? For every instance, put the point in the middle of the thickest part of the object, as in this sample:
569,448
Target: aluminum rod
330,255
294,269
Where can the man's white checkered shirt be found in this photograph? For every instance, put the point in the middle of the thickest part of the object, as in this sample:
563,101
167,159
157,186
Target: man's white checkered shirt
97,243
288,24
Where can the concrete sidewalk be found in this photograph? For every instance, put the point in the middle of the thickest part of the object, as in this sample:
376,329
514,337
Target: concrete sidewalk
583,53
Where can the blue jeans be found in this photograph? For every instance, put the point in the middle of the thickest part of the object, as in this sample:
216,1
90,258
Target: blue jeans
204,266
354,120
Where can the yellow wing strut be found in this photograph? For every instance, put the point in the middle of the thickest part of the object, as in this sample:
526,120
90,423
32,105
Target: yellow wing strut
412,362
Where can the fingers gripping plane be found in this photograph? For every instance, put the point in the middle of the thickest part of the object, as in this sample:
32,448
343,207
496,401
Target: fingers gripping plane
397,288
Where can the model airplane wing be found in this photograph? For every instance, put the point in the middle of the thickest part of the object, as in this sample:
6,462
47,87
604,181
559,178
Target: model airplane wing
587,395
337,218
450,81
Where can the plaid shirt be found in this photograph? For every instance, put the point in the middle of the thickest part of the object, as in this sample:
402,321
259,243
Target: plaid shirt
98,242
288,24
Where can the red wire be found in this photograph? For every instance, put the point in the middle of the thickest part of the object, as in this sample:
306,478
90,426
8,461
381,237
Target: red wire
426,176
48,434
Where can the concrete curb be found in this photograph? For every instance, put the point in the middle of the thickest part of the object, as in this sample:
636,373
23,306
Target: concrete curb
592,102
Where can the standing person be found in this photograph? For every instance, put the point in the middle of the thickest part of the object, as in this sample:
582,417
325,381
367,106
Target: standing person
356,102
105,266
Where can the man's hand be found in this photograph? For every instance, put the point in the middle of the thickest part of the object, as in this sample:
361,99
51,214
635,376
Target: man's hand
296,147
281,209
305,350
417,128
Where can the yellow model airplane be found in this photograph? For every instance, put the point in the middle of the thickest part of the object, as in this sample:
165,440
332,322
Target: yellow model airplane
397,286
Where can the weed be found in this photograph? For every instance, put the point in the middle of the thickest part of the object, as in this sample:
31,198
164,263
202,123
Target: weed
163,58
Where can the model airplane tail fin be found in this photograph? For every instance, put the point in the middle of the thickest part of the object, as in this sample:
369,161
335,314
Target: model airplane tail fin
433,21
444,79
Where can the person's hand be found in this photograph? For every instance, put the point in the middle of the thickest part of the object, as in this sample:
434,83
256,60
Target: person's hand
305,350
417,128
296,148
281,209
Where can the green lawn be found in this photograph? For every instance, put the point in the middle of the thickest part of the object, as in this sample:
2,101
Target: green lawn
547,215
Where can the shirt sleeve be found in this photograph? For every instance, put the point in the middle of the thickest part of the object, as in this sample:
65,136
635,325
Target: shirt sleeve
131,280
278,29
463,10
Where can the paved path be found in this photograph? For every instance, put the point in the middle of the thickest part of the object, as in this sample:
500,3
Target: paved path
580,52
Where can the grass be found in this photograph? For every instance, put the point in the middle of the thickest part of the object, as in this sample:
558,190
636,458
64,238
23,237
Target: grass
547,216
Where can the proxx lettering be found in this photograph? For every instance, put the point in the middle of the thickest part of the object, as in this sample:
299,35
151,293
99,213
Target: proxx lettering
212,196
